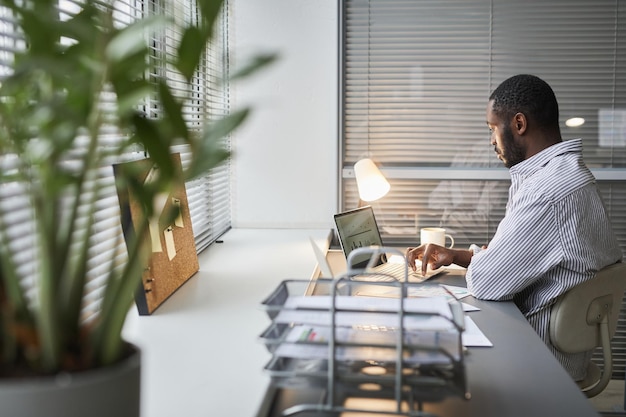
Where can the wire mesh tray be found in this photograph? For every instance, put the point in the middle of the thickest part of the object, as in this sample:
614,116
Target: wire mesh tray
383,297
371,344
370,379
359,337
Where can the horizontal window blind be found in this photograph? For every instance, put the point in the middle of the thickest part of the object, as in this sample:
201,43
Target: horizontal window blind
209,196
415,80
417,75
413,72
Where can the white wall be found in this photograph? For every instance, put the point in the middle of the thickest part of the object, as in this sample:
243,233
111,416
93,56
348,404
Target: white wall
285,156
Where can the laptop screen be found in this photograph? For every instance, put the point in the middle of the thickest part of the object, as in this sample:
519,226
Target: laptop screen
357,229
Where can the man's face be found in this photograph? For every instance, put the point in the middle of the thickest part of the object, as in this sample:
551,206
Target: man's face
507,148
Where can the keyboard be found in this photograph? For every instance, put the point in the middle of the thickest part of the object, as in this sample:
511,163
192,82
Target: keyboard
395,271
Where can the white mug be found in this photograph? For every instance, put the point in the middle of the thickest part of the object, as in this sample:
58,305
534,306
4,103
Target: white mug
436,235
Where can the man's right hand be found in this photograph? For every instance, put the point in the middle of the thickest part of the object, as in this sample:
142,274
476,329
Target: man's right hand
430,254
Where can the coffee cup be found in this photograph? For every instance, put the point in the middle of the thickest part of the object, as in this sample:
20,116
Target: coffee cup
436,235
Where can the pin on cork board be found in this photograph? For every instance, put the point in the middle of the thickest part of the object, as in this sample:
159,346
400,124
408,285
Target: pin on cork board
173,258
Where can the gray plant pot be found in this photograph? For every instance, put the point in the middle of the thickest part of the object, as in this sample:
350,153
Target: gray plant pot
111,391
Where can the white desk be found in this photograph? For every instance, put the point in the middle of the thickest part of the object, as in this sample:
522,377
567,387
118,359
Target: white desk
200,350
201,355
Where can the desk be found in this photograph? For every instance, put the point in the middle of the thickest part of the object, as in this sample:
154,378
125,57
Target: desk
518,376
201,354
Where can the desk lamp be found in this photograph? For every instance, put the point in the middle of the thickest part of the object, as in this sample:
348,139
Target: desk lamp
371,183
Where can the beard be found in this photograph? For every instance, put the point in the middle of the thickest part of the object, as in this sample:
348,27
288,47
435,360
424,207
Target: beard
511,154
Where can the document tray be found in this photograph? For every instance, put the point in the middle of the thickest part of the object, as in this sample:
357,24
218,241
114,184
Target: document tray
404,348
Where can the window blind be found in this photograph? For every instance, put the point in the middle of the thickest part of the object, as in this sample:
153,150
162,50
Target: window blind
416,76
209,196
415,81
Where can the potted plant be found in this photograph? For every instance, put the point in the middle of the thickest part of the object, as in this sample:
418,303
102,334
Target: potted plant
52,119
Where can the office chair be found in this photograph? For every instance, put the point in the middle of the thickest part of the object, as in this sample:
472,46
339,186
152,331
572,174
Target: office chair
586,317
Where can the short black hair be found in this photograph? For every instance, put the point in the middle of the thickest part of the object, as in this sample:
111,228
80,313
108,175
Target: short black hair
527,94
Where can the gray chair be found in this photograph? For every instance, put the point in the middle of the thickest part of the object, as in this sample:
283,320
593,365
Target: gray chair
586,317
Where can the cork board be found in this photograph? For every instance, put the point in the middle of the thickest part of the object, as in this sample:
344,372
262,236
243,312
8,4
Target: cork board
173,259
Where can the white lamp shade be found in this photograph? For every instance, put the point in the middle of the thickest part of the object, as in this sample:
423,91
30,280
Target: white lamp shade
370,182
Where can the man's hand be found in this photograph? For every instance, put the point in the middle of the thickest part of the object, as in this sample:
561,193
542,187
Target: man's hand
430,254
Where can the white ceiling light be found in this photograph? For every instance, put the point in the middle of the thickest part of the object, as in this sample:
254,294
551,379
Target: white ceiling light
575,122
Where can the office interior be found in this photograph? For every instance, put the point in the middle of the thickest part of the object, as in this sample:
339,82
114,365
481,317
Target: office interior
200,350
291,146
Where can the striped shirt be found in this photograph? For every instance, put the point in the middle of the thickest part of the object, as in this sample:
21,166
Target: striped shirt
555,234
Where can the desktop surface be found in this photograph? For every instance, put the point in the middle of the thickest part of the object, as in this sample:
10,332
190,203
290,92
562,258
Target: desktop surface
201,348
518,376
201,352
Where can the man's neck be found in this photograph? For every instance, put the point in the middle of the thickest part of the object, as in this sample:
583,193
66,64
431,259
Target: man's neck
541,142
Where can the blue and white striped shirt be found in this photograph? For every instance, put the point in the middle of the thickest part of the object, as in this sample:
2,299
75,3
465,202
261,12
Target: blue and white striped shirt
555,234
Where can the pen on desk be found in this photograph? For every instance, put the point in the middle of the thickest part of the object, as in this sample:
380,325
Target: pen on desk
304,336
309,335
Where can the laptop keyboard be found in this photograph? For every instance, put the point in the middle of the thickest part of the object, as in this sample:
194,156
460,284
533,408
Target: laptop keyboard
392,271
398,271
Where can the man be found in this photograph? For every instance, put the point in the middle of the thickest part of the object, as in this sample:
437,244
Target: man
556,232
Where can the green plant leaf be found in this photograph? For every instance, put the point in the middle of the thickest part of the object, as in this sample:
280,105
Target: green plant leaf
209,150
32,23
258,62
133,93
131,39
190,50
174,114
153,137
209,10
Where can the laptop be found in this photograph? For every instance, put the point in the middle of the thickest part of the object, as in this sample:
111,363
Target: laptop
358,229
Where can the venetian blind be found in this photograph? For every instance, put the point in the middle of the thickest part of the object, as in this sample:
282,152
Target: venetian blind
416,77
107,242
209,198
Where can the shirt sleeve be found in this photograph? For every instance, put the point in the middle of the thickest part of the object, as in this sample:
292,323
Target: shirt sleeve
525,246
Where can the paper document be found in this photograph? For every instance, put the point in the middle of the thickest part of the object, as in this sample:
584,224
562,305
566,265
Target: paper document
469,307
350,319
422,313
430,305
473,336
374,343
446,291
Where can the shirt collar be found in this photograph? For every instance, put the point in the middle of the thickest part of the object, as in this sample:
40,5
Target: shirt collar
532,164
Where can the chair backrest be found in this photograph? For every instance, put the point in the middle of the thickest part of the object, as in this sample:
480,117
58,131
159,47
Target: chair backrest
576,318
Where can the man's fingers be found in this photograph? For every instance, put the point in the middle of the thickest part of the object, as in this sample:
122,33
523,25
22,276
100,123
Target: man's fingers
411,256
426,258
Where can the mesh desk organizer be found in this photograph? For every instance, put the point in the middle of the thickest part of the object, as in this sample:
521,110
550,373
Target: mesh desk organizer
363,336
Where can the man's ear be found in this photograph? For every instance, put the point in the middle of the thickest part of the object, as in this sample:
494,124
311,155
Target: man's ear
519,123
